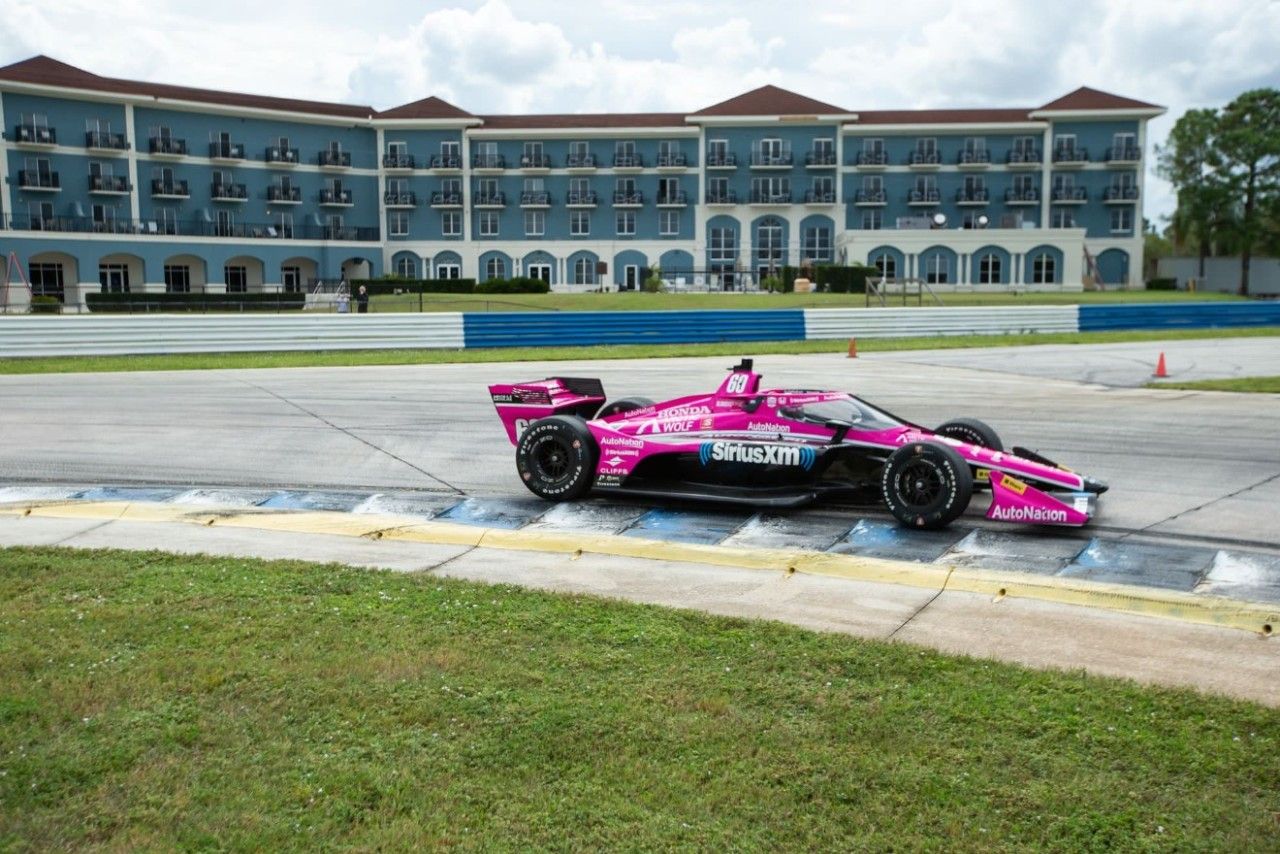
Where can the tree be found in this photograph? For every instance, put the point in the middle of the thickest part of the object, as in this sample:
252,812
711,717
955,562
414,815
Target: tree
1190,160
1249,144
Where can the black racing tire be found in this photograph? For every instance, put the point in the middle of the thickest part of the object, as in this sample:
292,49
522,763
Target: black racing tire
556,458
926,485
973,431
623,404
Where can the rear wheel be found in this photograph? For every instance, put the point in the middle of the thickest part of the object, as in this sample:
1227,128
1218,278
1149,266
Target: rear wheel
623,405
556,458
973,431
926,485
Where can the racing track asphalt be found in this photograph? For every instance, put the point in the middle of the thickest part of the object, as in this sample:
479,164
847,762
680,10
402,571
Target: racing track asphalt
1181,464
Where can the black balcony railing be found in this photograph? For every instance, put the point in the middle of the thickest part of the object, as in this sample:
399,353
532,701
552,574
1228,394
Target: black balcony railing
820,158
769,197
1071,154
228,192
398,161
722,161
451,199
624,197
673,160
276,154
1027,196
679,198
193,228
973,196
1070,194
587,197
1122,154
108,184
535,161
31,179
1023,156
976,157
922,197
226,150
489,161
161,187
819,197
872,158
871,197
924,158
335,197
765,158
35,135
722,197
628,161
167,145
1120,194
402,199
490,200
284,194
446,161
106,140
535,198
581,161
329,157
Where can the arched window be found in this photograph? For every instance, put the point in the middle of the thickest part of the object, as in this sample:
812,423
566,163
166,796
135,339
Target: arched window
769,242
584,271
722,243
886,264
1043,269
935,271
495,268
406,267
989,269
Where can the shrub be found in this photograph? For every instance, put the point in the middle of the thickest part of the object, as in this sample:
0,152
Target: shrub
45,305
1162,284
515,285
773,284
839,279
140,303
653,282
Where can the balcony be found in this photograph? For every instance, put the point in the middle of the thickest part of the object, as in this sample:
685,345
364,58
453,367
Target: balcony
281,156
1029,196
193,228
228,192
580,161
924,197
335,198
490,200
820,160
819,197
974,197
167,146
330,159
35,136
226,151
535,199
673,160
727,160
765,197
924,160
489,163
109,185
105,141
587,199
39,182
977,159
447,162
765,160
872,160
677,199
625,199
162,189
1070,157
628,162
280,195
1125,155
398,162
1023,159
402,199
1120,195
535,162
1070,195
871,199
442,199
723,197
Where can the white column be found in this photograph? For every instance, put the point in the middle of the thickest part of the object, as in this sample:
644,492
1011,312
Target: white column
6,194
384,228
1046,171
135,210
1136,244
468,200
839,172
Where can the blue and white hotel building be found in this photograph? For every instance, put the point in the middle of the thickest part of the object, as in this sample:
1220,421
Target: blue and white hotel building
125,185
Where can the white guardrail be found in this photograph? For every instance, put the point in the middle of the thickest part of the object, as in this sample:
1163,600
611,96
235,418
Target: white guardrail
81,335
918,322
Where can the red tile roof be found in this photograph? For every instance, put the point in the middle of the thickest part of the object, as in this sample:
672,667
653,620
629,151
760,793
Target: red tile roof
771,101
1085,98
931,117
587,120
427,108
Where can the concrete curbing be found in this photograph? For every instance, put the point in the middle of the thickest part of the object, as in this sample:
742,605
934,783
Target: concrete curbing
1219,611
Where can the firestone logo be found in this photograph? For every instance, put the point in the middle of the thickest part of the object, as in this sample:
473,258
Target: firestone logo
1028,514
762,455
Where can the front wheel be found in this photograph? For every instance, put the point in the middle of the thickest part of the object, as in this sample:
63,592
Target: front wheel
556,458
973,431
926,485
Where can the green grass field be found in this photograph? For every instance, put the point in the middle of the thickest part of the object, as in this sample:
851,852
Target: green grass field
152,701
346,358
1256,385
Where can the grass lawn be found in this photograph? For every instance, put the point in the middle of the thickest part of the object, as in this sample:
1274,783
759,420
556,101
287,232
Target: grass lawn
156,701
346,358
1263,385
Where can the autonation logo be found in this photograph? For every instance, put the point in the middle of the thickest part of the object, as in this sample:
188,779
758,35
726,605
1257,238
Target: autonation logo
1028,514
763,455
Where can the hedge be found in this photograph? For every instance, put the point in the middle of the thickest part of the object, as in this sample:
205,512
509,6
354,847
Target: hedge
45,305
139,303
515,285
378,287
1162,284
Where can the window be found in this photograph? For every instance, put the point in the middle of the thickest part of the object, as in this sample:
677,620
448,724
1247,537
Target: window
1064,145
1122,220
448,271
873,147
926,150
579,154
817,243
584,271
769,242
450,152
1064,186
104,218
625,188
451,223
237,278
532,154
177,279
487,223
722,244
579,223
936,269
717,189
398,223
624,153
397,151
668,190
335,227
1024,187
1124,146
886,264
824,189
873,220
824,149
1024,148
1061,218
1043,269
717,152
487,155
626,221
395,186
46,280
774,190
771,150
291,279
283,224
989,269
668,223
406,267
495,268
535,223
114,278
669,153
166,220
872,185
975,146
225,224
975,186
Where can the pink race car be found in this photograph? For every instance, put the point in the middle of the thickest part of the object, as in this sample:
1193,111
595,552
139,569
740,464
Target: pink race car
777,448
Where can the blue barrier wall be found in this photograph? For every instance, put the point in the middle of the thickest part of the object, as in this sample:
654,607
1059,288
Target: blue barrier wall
1197,315
538,329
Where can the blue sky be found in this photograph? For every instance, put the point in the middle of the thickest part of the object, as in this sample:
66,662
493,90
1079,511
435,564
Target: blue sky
627,55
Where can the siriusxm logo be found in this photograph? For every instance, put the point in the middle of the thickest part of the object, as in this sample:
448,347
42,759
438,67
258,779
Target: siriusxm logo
762,455
1028,514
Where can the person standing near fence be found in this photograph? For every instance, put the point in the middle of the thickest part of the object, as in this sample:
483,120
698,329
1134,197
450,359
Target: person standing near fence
362,300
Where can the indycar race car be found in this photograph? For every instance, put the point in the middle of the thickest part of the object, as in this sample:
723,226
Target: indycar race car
777,448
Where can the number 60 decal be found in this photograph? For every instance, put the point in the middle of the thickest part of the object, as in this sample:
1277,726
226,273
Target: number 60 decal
737,384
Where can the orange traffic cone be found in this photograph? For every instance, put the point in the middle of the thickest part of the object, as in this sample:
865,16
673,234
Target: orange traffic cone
1161,371
853,348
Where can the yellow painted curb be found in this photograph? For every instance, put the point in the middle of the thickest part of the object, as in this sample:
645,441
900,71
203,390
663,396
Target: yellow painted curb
1175,605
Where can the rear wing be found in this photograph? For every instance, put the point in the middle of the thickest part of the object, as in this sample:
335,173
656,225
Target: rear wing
520,404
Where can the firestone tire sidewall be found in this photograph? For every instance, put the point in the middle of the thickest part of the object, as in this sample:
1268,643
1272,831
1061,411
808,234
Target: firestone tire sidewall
952,471
574,440
623,405
972,431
